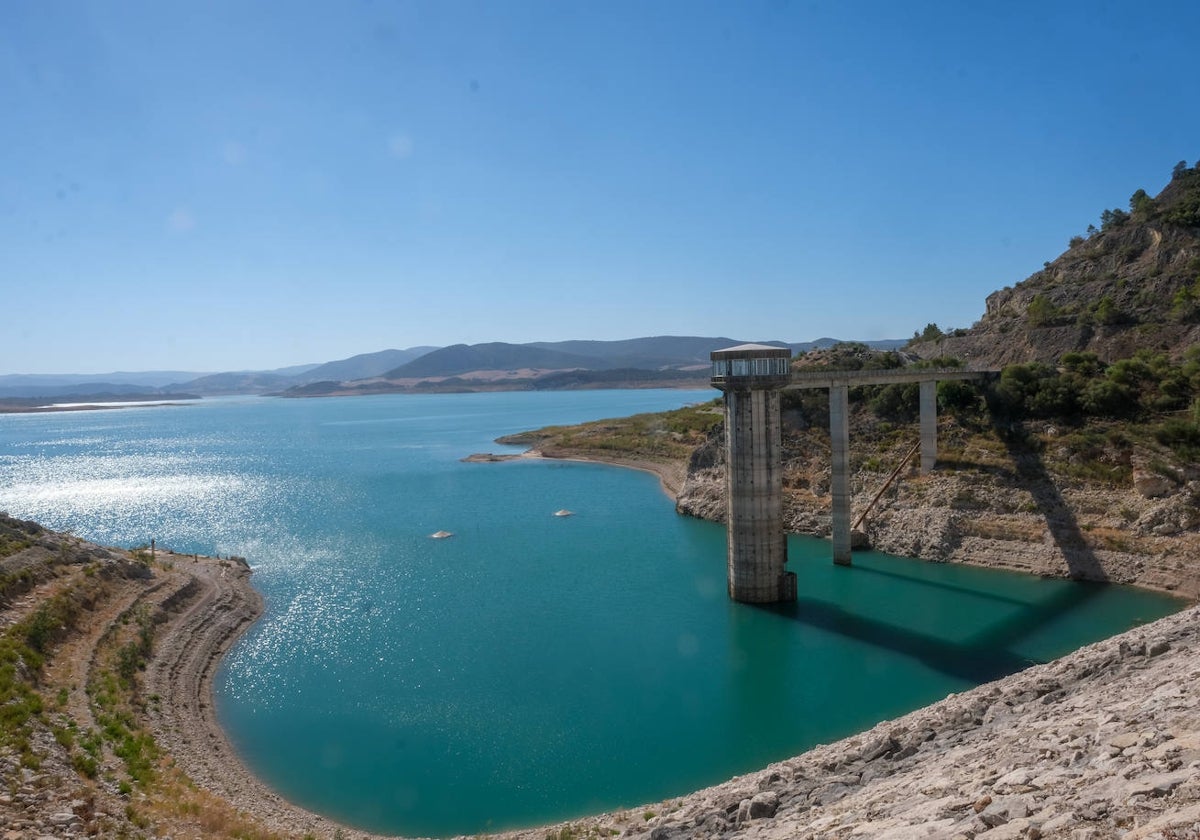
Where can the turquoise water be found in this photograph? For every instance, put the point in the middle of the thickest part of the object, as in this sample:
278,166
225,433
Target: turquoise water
531,667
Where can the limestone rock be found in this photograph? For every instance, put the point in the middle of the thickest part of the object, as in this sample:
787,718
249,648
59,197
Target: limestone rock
1151,485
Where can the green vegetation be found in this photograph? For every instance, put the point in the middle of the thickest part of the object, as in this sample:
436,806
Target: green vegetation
113,689
15,583
1112,219
1185,306
1141,205
16,535
1180,436
932,332
671,435
899,403
1106,312
23,650
1178,205
1149,383
1185,208
1042,312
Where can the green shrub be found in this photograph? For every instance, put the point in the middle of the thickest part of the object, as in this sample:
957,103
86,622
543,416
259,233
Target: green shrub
1041,312
1181,436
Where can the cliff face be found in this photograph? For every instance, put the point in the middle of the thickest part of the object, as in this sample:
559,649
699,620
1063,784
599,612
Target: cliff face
1133,284
1014,505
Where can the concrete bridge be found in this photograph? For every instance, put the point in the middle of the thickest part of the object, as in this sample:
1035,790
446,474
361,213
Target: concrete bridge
752,377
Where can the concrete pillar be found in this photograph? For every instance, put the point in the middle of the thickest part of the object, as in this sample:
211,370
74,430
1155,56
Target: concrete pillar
928,426
839,434
756,542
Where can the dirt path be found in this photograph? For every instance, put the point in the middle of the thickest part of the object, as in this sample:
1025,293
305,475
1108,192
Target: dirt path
75,659
671,474
205,618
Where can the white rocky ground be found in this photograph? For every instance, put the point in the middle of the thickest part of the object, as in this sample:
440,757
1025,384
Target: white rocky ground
1104,743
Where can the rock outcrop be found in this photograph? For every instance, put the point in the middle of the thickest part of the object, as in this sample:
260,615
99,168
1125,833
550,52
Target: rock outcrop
1004,509
1129,286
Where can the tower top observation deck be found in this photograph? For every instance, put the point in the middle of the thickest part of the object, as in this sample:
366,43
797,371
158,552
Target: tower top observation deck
751,366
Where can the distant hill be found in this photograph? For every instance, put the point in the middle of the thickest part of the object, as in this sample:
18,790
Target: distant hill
120,383
1131,284
60,391
362,366
627,363
826,343
242,382
365,365
619,378
654,353
461,358
655,361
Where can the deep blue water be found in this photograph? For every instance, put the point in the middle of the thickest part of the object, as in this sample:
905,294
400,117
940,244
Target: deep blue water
531,667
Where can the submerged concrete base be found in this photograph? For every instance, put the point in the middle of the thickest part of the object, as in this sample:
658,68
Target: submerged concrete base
751,376
756,542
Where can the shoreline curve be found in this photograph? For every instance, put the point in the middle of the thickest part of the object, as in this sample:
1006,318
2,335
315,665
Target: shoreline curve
934,765
794,796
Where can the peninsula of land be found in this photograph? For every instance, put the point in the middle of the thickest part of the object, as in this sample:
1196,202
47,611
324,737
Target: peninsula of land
88,402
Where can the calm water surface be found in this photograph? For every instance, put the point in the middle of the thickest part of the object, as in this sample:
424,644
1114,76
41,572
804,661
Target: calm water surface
531,667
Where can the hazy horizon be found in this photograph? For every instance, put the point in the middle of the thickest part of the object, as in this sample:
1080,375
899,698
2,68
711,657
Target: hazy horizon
221,186
69,373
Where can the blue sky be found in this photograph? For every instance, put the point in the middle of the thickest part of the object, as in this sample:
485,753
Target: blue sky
235,185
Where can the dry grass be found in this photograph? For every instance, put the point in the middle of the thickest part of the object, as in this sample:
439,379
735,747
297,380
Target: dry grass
173,803
999,528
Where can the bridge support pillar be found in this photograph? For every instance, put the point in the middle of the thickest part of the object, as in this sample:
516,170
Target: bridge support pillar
928,426
839,435
751,377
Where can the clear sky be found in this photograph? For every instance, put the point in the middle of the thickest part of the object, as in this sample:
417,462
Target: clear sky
245,185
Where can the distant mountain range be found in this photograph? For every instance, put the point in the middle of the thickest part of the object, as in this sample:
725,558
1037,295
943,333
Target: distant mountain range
638,362
58,384
494,365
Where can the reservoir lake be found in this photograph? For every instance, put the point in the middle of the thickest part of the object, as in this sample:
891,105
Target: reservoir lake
530,668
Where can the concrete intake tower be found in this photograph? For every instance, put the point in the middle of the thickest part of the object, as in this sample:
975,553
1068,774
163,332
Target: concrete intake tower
751,377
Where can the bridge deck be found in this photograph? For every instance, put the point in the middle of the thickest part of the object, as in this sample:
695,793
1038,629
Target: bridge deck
829,378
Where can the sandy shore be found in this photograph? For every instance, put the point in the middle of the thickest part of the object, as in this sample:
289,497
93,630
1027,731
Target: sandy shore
671,474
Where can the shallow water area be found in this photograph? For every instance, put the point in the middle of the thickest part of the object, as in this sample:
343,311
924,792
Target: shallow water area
530,667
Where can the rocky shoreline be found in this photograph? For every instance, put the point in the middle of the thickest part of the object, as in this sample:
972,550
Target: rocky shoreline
1000,510
1104,742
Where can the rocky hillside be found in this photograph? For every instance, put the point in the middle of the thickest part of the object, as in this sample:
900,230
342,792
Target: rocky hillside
1133,283
1093,502
1078,460
95,677
1088,471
